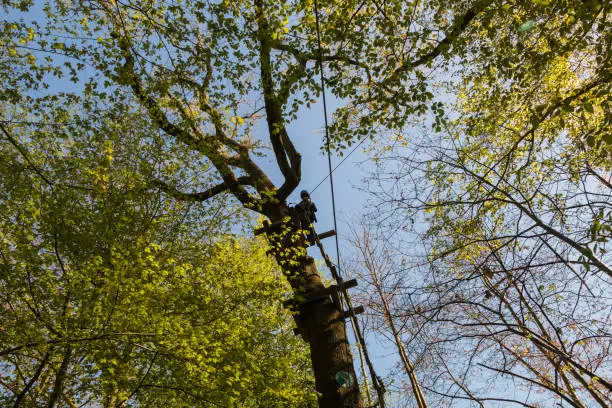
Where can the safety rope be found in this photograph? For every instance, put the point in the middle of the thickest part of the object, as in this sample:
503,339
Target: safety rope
363,139
327,139
376,381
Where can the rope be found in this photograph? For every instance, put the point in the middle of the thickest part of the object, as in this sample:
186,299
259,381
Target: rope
327,140
342,161
377,383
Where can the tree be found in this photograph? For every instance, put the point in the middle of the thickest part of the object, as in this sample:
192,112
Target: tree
512,203
115,295
382,274
207,72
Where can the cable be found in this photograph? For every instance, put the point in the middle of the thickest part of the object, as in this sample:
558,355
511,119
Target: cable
377,383
327,141
342,161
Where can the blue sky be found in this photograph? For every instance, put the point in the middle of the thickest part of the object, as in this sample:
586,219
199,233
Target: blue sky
307,133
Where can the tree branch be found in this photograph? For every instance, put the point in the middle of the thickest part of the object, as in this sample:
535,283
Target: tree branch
24,154
210,147
60,377
303,59
34,378
288,159
201,196
459,25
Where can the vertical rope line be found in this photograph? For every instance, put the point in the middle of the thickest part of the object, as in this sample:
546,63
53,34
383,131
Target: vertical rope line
380,390
327,141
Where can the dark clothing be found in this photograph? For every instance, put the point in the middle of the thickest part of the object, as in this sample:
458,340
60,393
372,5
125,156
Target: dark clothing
306,210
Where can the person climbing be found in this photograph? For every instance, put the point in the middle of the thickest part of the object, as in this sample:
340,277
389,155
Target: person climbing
306,210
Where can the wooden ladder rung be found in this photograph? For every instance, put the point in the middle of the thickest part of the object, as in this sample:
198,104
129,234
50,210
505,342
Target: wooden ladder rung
356,310
351,283
326,234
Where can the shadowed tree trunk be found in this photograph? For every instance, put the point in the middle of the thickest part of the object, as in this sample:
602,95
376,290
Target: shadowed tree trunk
319,320
239,54
60,377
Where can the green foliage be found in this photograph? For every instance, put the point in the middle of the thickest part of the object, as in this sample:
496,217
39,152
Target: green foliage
533,123
198,55
511,195
148,301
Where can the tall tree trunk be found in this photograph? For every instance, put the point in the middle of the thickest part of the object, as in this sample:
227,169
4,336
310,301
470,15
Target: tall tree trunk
408,366
377,280
320,321
59,378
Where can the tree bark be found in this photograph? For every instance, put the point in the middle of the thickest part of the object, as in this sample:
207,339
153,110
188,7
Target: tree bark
377,281
319,320
59,378
30,383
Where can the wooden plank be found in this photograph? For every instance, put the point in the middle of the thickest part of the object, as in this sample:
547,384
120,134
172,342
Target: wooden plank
351,283
322,294
356,310
326,291
326,234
